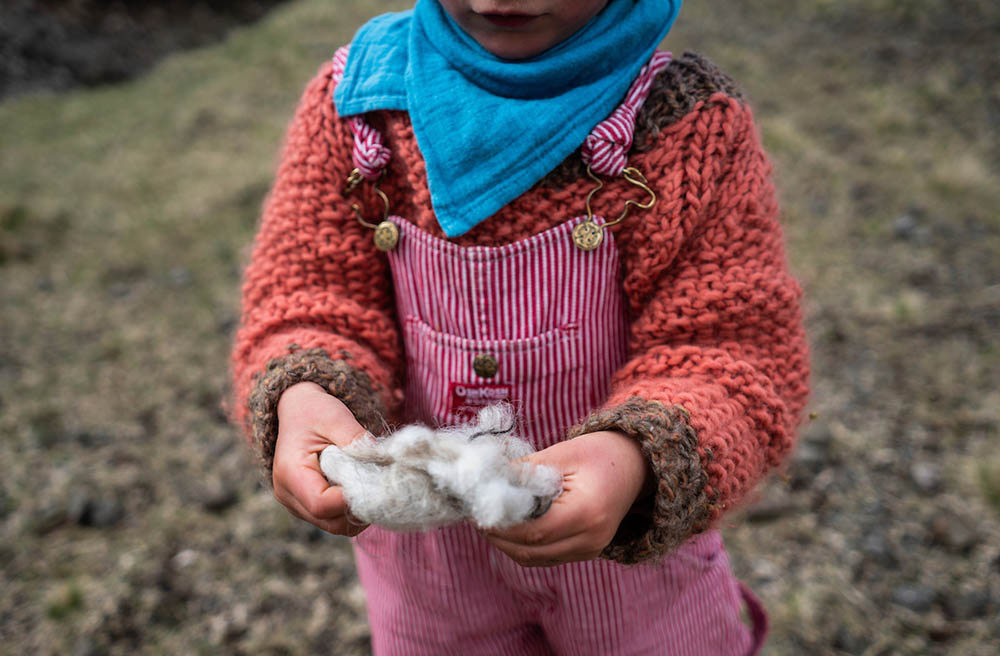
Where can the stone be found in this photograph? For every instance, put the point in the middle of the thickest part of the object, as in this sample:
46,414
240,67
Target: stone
770,509
876,547
953,532
86,646
810,456
846,640
106,512
47,518
971,605
89,509
217,495
78,504
926,476
905,226
918,598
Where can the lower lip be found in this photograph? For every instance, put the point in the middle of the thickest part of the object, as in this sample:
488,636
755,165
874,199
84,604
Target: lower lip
509,20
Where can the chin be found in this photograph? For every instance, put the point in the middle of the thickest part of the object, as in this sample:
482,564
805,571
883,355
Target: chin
511,49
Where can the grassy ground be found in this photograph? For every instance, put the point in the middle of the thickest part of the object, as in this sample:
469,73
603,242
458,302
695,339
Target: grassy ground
130,517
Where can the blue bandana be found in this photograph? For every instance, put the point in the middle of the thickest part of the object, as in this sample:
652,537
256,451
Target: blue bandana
489,128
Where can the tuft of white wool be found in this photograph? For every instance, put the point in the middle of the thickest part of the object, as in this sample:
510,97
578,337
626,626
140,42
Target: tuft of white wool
419,478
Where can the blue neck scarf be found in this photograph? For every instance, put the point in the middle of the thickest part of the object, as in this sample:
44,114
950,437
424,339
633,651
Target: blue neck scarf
489,128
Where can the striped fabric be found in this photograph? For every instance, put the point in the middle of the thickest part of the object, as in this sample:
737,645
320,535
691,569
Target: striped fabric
552,317
606,149
370,154
550,328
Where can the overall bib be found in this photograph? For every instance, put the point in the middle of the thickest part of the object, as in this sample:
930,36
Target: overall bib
539,323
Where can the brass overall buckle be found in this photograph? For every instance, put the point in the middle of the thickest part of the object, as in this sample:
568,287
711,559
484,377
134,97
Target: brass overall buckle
588,235
386,232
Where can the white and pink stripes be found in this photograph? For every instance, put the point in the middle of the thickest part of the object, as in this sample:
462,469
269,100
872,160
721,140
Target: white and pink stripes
449,592
551,315
370,153
606,149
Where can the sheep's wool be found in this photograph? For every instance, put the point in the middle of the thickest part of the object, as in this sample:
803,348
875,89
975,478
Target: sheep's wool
419,478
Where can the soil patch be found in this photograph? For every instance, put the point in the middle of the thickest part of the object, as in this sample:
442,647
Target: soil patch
61,44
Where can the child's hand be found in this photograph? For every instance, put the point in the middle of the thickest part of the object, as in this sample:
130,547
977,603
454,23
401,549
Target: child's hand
309,420
603,475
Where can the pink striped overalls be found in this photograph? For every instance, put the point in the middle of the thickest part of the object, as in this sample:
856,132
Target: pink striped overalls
539,323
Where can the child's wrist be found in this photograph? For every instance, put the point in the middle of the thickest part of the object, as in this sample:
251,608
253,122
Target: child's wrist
639,469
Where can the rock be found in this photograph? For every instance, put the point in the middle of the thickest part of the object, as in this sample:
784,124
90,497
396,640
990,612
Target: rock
846,640
811,456
970,605
180,276
918,598
7,505
78,505
86,646
230,625
184,558
905,226
775,501
953,533
105,512
88,509
92,438
876,547
47,518
943,631
926,476
767,510
216,495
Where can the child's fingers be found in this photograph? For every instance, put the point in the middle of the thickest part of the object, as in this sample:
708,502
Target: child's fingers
310,489
344,525
329,513
572,549
562,520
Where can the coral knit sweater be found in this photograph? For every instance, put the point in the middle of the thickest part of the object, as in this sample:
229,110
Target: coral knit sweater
716,377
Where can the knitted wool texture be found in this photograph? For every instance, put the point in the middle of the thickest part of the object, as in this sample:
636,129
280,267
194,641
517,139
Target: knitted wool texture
716,331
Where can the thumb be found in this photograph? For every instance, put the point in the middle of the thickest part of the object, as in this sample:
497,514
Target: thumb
307,409
335,421
563,456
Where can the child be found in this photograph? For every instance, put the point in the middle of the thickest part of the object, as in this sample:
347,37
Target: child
436,241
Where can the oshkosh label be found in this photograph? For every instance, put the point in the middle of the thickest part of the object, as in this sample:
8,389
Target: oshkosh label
466,399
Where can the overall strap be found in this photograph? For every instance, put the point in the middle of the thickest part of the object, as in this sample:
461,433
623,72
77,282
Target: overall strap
370,153
605,150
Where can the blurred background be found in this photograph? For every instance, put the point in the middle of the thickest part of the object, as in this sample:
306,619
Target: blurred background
137,142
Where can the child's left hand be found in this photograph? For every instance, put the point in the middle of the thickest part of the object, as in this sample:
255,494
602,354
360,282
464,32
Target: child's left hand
604,473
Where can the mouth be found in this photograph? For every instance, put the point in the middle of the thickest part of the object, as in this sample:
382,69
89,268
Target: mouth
509,21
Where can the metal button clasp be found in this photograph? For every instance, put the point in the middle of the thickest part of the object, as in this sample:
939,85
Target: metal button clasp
386,234
485,365
588,235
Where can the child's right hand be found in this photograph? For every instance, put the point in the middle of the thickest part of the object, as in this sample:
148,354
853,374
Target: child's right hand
309,420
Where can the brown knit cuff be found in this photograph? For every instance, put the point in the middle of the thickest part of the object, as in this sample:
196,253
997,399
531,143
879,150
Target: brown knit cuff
350,385
679,508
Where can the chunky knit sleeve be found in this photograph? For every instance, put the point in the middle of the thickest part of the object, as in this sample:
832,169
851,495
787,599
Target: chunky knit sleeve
317,296
717,372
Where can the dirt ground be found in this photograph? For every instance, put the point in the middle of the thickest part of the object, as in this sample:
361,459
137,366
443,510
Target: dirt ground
62,44
131,518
